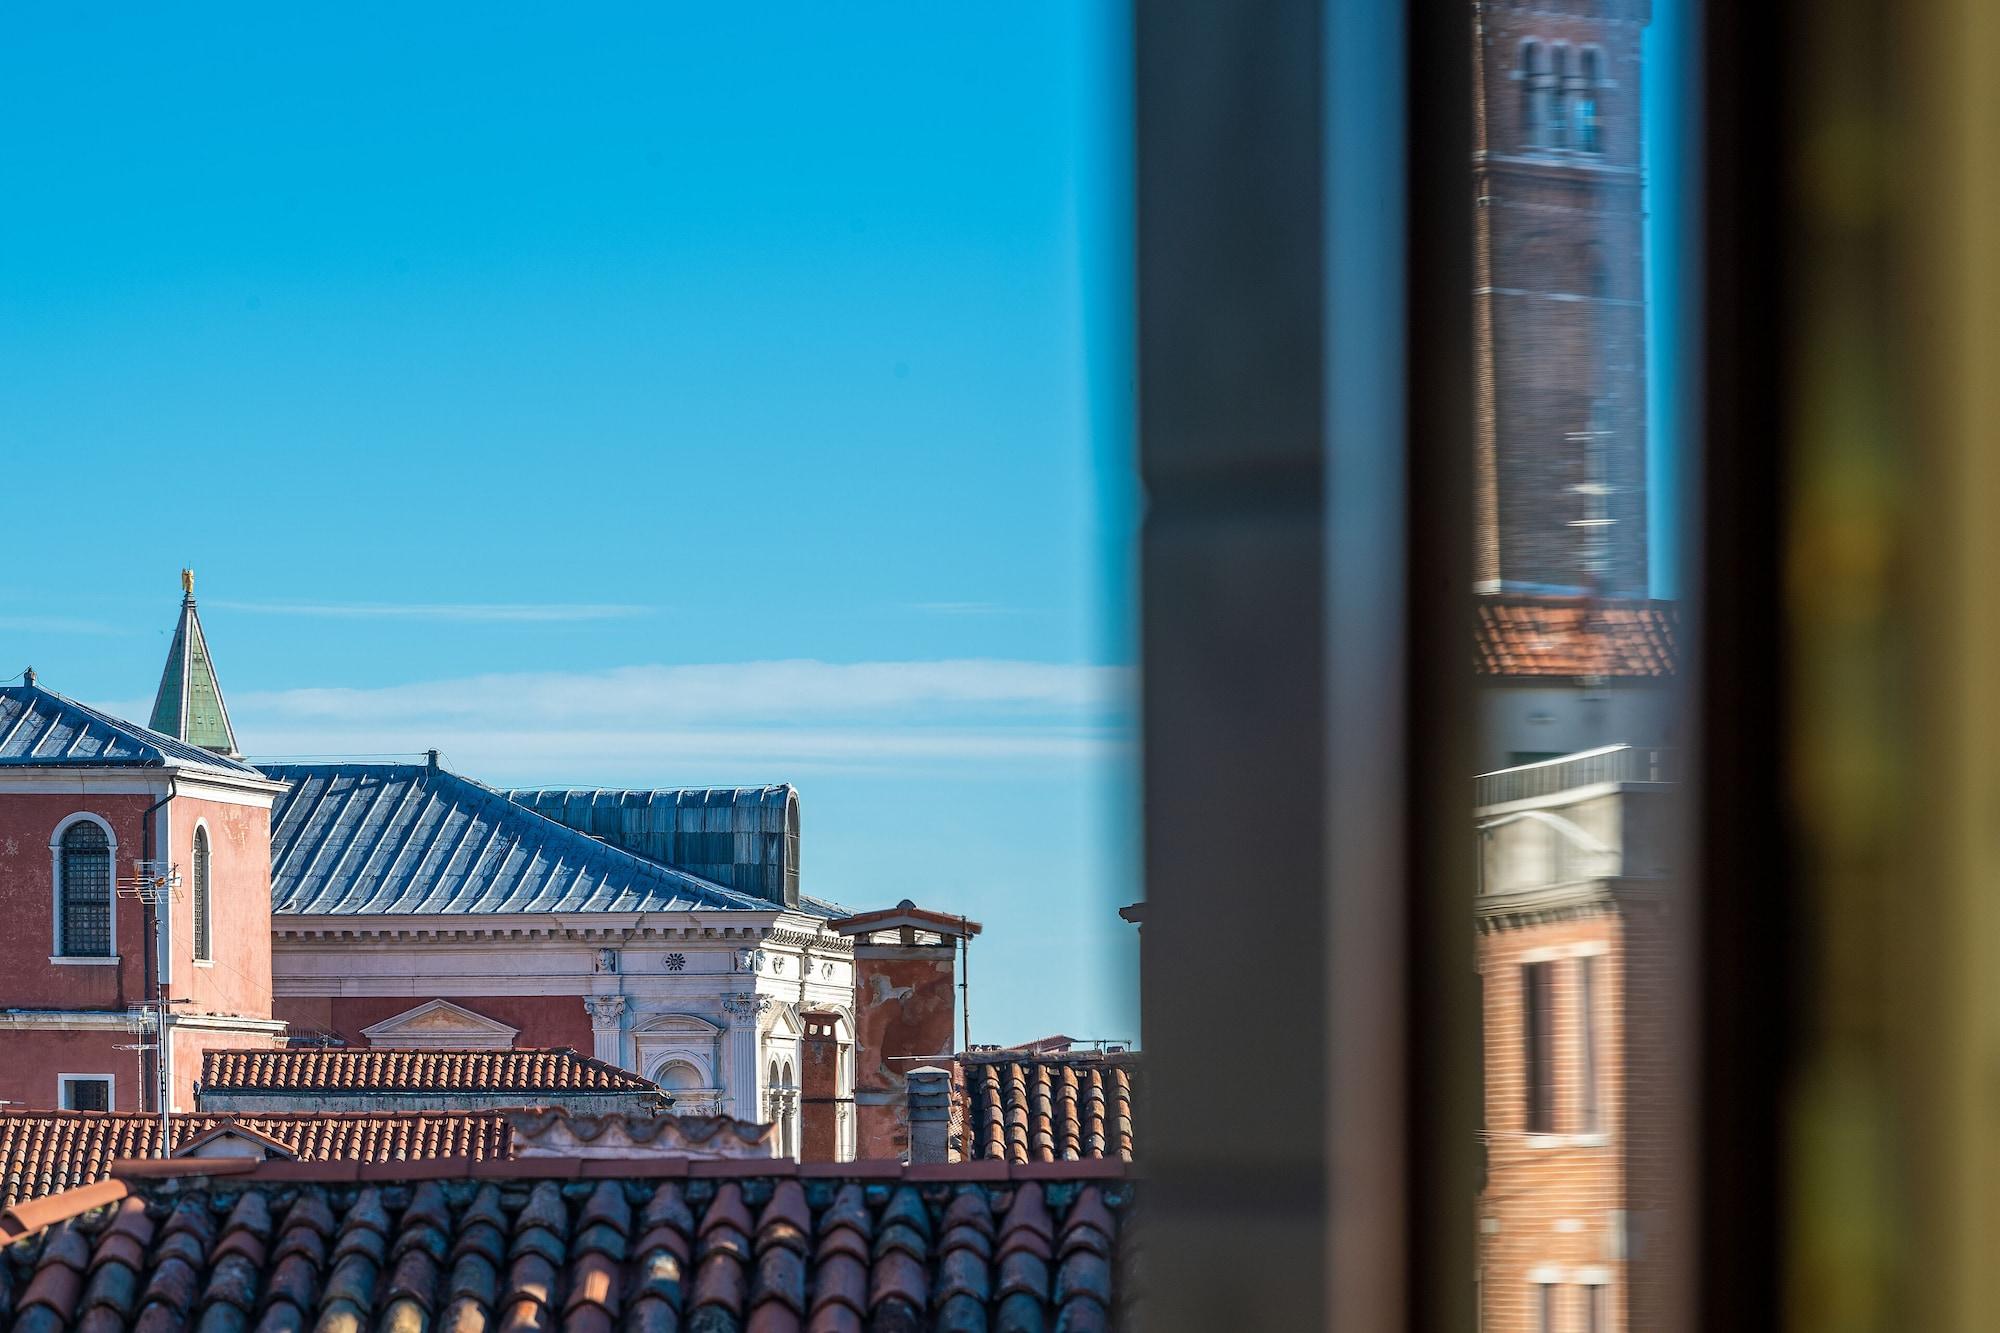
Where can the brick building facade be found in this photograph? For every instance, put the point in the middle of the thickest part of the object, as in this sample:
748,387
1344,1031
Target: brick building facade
1574,1007
1559,300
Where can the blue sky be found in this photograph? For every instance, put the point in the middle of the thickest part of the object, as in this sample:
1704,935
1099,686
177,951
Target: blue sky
673,396
667,396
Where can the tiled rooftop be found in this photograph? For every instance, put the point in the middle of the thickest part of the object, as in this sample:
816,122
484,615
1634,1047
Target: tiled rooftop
45,1152
365,839
306,1070
1022,1107
1570,637
589,1246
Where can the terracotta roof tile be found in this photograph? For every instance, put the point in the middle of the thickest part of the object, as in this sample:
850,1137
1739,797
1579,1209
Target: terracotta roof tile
378,1070
1568,637
1047,1108
46,1152
494,1251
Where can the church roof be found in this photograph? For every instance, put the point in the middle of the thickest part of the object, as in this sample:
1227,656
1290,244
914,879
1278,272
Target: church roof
379,838
40,728
189,704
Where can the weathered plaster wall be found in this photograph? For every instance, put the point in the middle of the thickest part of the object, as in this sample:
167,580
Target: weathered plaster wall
238,980
903,1007
27,892
31,1060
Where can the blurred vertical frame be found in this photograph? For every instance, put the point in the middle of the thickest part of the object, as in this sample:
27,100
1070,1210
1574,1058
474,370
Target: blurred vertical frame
1893,1117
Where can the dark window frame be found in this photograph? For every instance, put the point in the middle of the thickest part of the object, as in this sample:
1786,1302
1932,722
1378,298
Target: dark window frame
85,893
1540,1086
201,857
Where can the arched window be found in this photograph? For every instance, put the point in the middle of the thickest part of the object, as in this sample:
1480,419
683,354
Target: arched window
83,895
202,950
1590,76
1556,97
788,1130
1533,77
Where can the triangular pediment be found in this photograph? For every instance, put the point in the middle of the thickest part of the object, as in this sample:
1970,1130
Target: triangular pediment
442,1025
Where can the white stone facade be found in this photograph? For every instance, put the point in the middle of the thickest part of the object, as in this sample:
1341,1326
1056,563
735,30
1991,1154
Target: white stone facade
707,1004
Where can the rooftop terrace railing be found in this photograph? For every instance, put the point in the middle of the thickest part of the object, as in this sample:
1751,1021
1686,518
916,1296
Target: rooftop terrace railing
1586,768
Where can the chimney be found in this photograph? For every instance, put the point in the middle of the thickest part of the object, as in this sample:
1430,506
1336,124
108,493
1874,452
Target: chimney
905,972
930,1114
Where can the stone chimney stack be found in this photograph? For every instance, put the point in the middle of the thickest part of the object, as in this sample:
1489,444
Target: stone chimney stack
930,1114
905,970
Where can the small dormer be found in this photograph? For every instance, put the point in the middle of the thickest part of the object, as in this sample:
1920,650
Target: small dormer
231,1139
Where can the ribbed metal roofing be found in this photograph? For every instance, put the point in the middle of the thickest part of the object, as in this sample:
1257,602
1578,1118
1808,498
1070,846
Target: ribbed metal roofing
744,837
369,838
40,728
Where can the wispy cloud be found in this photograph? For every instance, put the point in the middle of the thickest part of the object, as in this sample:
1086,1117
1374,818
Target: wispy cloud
57,625
513,612
776,691
735,721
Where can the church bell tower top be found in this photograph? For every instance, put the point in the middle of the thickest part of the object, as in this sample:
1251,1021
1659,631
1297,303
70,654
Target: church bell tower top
189,704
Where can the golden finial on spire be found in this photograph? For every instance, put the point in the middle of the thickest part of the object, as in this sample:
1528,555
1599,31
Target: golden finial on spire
187,582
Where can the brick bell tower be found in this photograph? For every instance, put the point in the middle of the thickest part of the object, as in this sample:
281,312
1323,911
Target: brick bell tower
1559,302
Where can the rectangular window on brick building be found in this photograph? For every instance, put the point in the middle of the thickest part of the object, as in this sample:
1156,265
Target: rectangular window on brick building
1587,1038
1545,1307
1593,1309
1538,1033
85,1093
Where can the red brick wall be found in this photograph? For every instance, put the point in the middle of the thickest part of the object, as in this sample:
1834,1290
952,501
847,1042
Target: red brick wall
1546,359
544,1020
819,1082
1552,1200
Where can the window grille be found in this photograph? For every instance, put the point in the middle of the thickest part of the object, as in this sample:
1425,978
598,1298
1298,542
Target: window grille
86,892
86,1094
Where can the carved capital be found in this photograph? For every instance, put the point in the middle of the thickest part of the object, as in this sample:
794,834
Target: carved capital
606,1010
745,1007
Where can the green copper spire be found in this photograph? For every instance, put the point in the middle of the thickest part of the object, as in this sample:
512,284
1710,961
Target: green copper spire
189,705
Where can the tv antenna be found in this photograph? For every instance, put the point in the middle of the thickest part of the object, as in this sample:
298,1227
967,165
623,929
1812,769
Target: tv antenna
154,883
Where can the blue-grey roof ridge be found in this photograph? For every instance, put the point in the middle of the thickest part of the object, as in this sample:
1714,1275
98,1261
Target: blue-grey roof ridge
353,838
40,728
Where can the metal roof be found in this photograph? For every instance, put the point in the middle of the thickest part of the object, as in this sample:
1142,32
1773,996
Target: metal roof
744,837
368,838
40,728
